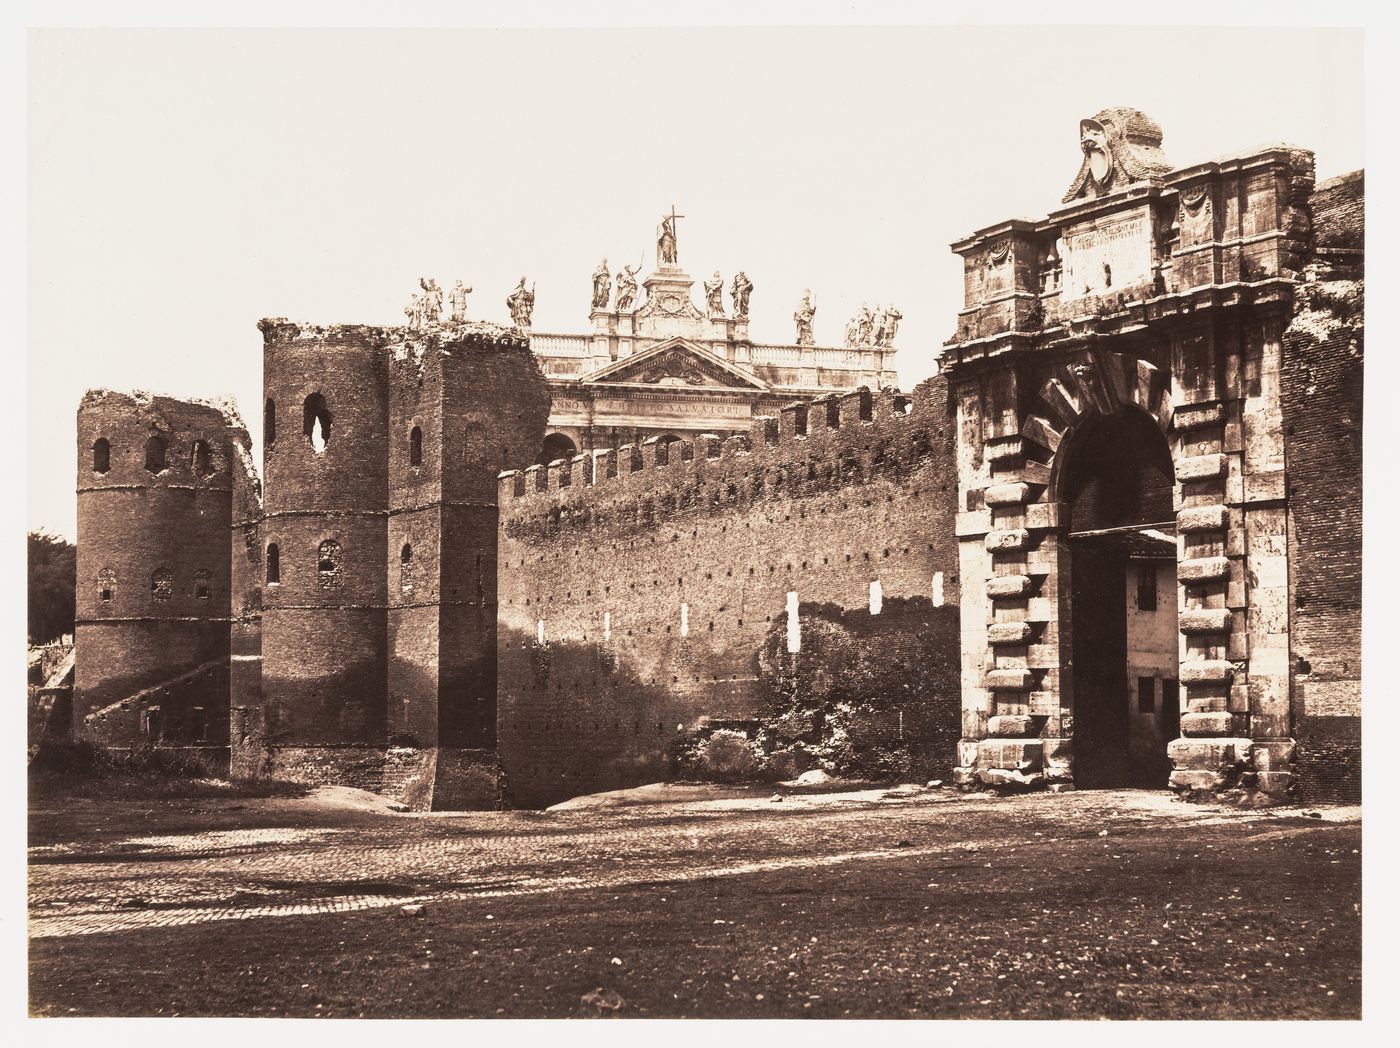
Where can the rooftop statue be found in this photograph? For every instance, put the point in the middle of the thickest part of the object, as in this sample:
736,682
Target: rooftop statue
853,330
889,325
714,294
666,239
457,301
521,303
877,336
739,292
805,312
602,285
432,299
414,312
865,325
627,288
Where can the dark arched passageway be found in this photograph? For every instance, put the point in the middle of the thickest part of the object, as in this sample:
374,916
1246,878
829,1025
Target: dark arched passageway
1116,485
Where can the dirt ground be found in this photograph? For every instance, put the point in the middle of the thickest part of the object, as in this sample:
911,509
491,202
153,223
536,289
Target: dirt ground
697,902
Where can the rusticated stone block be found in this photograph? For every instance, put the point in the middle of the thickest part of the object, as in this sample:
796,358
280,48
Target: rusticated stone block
1204,620
1008,680
1003,448
1009,777
1214,704
1207,671
1191,779
967,752
1275,783
1206,725
1208,754
1011,726
1196,416
1007,541
1020,754
1201,467
1058,755
1273,756
1203,569
1202,518
1006,494
1002,633
1008,586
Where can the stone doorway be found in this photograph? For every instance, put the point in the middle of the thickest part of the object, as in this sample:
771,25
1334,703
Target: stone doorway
1116,480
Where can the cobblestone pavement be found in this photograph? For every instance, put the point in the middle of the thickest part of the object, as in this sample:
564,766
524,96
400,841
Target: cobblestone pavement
109,879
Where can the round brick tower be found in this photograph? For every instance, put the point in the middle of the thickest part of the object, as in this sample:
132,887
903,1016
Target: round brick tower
154,510
323,534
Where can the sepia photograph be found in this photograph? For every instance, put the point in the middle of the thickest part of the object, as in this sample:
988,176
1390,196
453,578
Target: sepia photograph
762,514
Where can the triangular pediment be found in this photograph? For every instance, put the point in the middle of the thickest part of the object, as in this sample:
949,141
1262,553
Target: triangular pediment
680,363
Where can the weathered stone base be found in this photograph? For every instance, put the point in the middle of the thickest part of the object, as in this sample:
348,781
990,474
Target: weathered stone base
431,779
1015,764
1233,770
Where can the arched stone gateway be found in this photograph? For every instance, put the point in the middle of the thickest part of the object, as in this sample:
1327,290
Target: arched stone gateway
1121,422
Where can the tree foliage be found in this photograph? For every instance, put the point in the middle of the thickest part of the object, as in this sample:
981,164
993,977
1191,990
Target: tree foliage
53,565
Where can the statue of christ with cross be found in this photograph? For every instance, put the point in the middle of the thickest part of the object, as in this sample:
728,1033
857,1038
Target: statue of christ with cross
666,239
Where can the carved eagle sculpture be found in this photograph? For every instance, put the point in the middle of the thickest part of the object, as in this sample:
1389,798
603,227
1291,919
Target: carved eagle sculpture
1120,146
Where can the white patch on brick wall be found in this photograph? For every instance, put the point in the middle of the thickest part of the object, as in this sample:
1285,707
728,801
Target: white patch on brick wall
607,626
937,591
877,597
685,620
539,632
794,624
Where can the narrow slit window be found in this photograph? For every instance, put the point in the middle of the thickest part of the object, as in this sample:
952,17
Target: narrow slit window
101,455
274,564
269,422
415,447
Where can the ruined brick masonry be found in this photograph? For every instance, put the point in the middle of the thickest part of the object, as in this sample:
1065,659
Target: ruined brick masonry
638,589
1161,378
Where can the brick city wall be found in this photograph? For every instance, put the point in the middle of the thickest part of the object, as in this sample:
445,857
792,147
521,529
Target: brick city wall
658,588
1322,400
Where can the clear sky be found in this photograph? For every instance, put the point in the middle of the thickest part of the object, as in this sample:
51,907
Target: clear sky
184,183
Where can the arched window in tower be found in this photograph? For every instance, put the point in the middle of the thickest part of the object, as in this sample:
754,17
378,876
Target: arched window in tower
201,459
316,422
101,455
155,455
106,586
162,584
269,423
274,564
406,568
328,564
201,584
415,447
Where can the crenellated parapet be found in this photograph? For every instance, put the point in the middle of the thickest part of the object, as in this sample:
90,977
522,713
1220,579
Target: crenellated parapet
833,441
